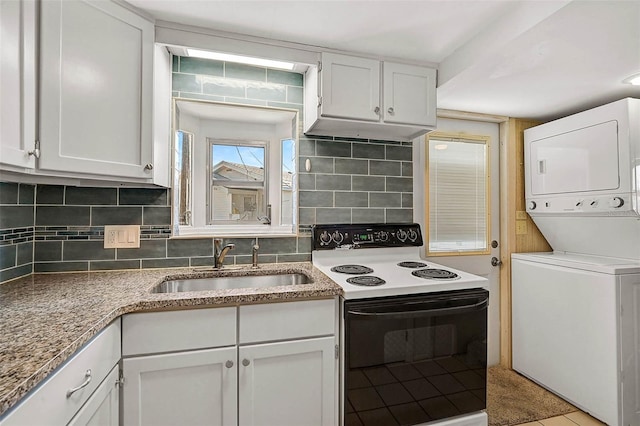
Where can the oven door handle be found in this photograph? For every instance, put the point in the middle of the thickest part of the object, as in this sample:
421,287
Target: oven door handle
434,311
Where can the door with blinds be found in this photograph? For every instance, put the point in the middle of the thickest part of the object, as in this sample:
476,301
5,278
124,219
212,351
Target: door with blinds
461,205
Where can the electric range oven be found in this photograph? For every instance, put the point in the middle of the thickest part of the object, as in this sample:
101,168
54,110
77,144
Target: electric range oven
413,333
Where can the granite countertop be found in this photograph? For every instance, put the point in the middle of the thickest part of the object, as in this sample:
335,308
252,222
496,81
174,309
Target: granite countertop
45,318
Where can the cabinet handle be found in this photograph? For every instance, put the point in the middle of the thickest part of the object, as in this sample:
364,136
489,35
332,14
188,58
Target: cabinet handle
246,362
377,110
390,110
87,380
228,364
148,167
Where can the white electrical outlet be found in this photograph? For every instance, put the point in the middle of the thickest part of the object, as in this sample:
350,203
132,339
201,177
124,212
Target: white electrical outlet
122,236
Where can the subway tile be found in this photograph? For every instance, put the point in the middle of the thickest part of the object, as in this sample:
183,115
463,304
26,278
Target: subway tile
165,263
367,150
156,215
407,169
244,72
333,215
116,216
306,147
110,265
8,256
333,149
399,184
25,253
8,193
149,249
316,198
367,216
47,251
318,165
306,181
16,216
385,199
367,183
201,97
143,196
90,196
186,83
294,95
221,87
62,215
352,167
346,139
245,101
286,105
278,245
60,266
384,168
306,216
190,247
26,194
17,272
201,261
86,250
267,92
384,142
305,244
333,182
403,153
49,194
201,66
298,257
352,199
242,245
285,77
262,258
407,200
399,215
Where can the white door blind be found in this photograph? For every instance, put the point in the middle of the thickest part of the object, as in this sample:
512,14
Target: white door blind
458,195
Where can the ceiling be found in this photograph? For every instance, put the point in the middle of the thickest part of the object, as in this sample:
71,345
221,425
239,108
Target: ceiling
528,59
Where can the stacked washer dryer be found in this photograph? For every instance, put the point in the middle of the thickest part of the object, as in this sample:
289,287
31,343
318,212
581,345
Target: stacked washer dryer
576,311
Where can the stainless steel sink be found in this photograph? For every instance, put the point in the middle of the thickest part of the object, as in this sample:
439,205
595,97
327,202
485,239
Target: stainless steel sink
237,281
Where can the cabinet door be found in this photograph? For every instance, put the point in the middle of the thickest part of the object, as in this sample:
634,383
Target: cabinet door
350,87
288,383
102,409
17,82
96,89
184,388
409,94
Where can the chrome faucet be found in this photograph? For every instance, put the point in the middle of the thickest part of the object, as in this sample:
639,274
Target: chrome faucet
254,254
220,252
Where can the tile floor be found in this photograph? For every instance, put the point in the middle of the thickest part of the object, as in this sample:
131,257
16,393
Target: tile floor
572,419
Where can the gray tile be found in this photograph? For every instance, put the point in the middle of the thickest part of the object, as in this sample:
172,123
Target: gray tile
333,182
8,256
60,266
244,72
49,194
333,149
278,245
367,150
175,63
156,215
399,215
222,87
335,215
90,196
304,244
25,253
185,83
306,181
110,265
263,258
287,105
385,168
16,216
199,96
242,245
18,271
399,184
385,199
294,95
403,153
407,200
86,250
300,257
245,101
267,92
143,196
201,66
352,199
46,251
190,247
116,216
407,169
318,165
352,167
285,77
202,261
26,194
367,183
62,215
165,263
8,193
306,147
149,249
316,198
306,216
368,215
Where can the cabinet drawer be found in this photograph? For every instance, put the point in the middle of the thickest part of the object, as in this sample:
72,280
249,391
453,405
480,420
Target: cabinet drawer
290,320
154,332
49,404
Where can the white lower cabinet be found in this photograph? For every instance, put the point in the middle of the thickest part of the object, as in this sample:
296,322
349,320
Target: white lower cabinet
102,409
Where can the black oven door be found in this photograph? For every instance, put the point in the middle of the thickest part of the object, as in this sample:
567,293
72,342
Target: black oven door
415,359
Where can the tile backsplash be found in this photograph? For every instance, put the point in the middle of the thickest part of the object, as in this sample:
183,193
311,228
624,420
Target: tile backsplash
54,228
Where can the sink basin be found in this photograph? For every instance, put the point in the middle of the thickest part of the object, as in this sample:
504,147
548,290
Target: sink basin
218,283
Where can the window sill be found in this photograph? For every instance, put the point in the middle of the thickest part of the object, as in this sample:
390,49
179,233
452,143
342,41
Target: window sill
262,231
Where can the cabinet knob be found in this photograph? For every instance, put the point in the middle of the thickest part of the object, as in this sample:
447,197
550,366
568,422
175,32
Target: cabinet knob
228,364
390,110
148,167
246,362
376,110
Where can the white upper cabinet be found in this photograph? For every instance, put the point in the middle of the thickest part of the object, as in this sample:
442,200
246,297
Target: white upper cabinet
96,75
358,97
17,83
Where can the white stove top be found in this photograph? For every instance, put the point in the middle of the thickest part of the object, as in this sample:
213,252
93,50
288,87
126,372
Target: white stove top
384,262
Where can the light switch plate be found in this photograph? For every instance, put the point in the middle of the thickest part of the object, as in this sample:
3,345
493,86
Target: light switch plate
122,236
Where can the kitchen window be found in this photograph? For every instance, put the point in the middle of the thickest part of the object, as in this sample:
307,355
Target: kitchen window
458,194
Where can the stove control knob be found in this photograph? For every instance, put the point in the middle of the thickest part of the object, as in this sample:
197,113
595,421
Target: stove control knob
616,202
383,236
325,238
402,235
337,237
532,205
412,235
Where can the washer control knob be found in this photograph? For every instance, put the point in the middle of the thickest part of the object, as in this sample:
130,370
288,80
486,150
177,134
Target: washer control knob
616,202
532,205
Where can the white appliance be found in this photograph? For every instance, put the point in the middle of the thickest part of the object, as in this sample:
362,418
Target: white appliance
575,312
413,333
